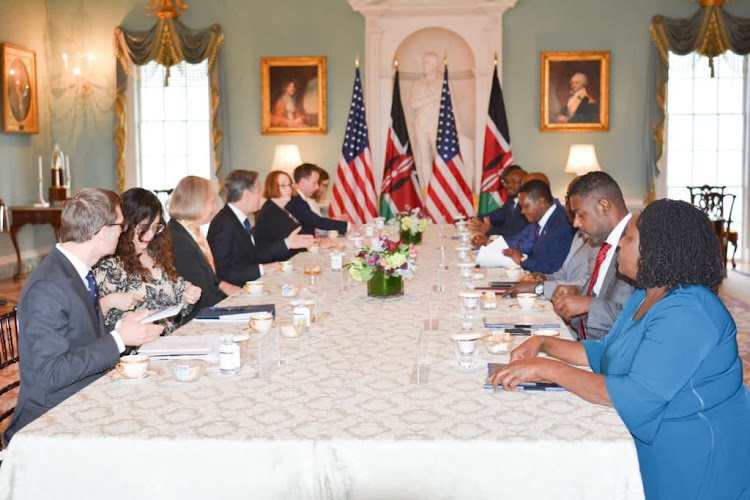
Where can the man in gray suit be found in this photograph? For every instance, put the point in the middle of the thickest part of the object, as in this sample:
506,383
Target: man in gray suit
63,344
600,213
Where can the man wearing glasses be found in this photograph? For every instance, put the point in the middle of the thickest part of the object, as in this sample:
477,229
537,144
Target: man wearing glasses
62,338
508,219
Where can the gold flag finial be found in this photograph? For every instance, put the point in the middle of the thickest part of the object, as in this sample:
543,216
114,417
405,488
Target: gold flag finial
356,60
445,58
494,61
166,9
395,61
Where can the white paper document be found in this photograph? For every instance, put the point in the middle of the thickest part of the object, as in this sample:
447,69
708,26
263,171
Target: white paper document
491,255
174,345
164,313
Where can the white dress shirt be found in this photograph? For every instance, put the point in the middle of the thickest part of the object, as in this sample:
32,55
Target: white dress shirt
83,271
312,203
613,239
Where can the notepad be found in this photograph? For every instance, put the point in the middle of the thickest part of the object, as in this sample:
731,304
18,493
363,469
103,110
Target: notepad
236,314
164,313
525,386
174,345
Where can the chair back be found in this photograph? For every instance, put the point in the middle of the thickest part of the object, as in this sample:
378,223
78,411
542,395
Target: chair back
714,202
9,364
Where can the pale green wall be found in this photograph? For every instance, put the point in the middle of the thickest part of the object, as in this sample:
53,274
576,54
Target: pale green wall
258,28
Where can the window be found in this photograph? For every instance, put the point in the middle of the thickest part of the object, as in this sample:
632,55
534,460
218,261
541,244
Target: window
706,127
172,124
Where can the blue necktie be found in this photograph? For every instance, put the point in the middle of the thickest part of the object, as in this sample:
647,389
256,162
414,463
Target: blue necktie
536,231
93,292
249,229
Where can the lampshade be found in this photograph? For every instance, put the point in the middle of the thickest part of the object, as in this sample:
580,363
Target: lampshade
582,159
286,157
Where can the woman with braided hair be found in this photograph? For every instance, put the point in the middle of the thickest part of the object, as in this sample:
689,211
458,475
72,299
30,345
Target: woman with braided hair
669,365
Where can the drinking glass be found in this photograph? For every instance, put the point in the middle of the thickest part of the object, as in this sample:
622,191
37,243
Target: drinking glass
466,353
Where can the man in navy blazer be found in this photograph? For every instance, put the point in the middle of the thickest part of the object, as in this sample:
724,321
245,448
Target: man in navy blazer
306,178
553,232
508,219
236,256
63,343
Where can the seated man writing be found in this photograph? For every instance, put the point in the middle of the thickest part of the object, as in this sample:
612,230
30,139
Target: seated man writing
553,232
306,178
508,219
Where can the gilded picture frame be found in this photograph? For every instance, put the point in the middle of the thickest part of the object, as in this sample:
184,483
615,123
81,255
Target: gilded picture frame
293,95
574,91
19,90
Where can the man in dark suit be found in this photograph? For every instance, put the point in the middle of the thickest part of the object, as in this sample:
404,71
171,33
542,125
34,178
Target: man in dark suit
552,230
237,257
506,220
306,178
62,341
600,213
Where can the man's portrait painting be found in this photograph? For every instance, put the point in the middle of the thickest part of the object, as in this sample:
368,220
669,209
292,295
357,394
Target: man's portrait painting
19,94
575,91
293,95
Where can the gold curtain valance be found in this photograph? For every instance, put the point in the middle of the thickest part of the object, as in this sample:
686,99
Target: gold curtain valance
168,43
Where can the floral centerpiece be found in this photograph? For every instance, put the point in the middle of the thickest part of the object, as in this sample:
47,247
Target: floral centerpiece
384,265
412,224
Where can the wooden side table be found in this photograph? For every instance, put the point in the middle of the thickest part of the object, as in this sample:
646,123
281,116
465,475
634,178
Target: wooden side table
22,215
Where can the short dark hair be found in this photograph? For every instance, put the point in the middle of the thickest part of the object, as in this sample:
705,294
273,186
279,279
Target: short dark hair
237,181
304,171
509,170
86,212
599,184
678,246
536,189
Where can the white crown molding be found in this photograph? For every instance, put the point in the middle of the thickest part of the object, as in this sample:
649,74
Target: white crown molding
434,7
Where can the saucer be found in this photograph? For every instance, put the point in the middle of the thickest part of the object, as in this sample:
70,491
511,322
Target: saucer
262,294
536,306
115,375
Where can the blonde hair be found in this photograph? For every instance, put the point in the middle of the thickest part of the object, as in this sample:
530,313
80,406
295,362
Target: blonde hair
190,197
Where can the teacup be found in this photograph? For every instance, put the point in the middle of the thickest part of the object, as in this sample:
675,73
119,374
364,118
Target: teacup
513,272
333,234
463,252
314,248
286,266
133,366
526,300
464,236
253,287
357,242
261,323
470,300
187,370
466,269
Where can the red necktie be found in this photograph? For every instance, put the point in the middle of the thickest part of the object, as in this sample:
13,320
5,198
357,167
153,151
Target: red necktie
599,259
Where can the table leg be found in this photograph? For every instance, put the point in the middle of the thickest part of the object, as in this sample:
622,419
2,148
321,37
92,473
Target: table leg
14,239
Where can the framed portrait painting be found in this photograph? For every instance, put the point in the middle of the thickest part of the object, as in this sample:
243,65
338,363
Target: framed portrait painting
19,92
575,92
293,95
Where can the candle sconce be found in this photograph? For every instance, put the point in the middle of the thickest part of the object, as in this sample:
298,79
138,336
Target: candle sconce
78,68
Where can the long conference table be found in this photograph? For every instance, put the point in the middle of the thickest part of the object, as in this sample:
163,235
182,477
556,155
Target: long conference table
343,416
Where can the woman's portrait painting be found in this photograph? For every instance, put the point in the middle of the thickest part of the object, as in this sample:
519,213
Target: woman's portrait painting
293,95
19,97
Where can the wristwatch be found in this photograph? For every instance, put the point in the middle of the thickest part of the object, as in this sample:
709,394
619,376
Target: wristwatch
539,289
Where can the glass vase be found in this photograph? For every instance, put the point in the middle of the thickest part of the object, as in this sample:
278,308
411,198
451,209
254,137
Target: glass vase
385,286
409,238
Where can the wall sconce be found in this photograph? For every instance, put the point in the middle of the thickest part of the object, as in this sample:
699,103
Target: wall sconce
582,160
286,157
80,67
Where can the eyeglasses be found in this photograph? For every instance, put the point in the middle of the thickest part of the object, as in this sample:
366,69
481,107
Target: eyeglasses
123,225
143,228
285,185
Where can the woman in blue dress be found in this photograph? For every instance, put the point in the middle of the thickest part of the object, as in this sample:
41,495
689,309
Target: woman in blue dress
669,365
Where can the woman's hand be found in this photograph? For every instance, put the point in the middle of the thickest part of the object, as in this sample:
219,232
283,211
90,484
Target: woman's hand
523,370
192,293
529,349
229,289
123,301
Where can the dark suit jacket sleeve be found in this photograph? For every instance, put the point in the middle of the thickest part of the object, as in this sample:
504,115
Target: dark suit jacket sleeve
310,220
272,251
229,266
550,251
524,241
46,311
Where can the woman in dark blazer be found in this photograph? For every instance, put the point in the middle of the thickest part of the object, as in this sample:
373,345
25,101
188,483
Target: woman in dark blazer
273,222
193,203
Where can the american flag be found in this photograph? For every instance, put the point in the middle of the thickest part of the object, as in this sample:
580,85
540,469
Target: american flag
497,154
354,188
448,194
400,182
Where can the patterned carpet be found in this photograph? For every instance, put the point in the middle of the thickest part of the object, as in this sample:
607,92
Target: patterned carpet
741,313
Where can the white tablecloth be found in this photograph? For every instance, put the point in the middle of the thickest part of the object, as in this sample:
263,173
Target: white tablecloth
341,418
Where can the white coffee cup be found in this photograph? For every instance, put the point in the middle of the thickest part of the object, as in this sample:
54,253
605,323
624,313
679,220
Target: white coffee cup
466,269
464,236
261,323
286,266
513,273
133,366
254,287
463,252
526,300
333,234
